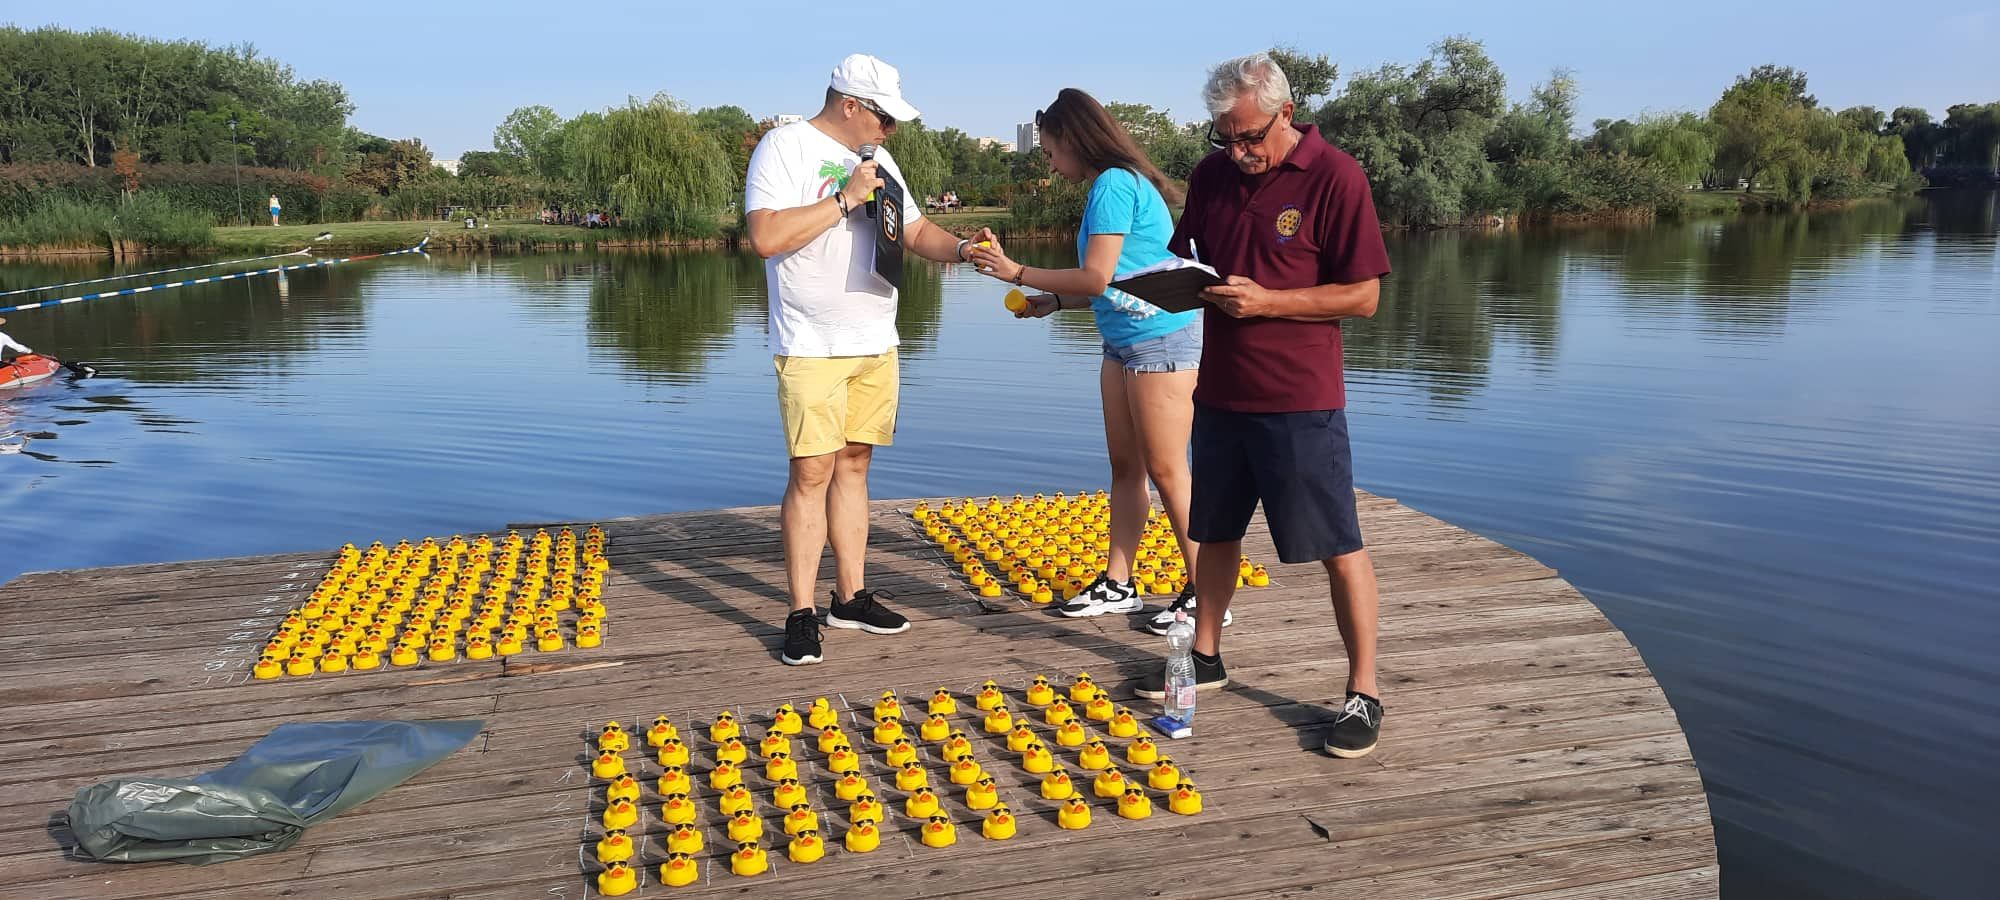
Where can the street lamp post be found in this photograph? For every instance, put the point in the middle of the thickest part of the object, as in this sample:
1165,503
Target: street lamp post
237,170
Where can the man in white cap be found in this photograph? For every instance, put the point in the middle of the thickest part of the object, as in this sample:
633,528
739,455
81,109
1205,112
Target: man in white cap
8,343
833,332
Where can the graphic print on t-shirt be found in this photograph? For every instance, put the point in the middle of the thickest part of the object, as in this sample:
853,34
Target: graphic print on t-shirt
835,175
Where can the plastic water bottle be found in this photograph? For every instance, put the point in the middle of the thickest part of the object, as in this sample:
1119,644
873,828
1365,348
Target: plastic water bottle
1178,719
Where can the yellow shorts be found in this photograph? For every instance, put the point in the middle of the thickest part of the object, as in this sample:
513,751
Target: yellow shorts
828,403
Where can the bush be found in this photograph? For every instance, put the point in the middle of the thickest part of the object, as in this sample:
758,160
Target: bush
57,221
208,189
156,222
147,219
1057,206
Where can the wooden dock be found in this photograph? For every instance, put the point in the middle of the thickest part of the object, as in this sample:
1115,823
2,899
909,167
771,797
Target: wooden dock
1527,752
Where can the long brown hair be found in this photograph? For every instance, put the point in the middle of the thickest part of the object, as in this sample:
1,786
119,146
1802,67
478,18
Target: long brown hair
1082,124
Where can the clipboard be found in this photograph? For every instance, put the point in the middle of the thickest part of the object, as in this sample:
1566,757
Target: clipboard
888,229
1174,285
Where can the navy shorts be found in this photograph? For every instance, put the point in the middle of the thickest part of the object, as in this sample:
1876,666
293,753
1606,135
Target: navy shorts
1298,464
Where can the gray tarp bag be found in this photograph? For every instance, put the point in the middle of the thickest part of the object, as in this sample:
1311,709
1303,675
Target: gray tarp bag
298,775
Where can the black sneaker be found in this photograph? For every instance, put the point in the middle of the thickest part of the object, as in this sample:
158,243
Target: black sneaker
866,613
1355,729
1159,623
1104,596
1207,677
801,638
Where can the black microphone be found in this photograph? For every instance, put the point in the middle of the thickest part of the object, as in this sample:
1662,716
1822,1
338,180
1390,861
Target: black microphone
874,205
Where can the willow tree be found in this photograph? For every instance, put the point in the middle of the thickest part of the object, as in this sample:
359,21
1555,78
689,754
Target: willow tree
656,166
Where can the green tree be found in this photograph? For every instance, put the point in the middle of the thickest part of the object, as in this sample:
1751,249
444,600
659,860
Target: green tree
1762,125
1311,76
1972,134
1922,138
916,151
1420,131
654,165
1612,135
1173,147
1682,145
733,131
526,133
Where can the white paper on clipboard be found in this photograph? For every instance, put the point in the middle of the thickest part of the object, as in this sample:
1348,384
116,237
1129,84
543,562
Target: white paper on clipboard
1174,284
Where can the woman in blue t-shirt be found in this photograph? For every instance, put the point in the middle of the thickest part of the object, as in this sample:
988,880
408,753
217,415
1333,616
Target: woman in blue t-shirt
1150,355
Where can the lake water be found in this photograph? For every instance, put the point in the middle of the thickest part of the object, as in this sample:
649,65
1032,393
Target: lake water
1768,448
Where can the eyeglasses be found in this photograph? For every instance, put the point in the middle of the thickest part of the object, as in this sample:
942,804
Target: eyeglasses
1245,140
888,121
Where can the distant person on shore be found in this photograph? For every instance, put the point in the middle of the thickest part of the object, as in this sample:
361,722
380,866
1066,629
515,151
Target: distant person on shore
833,333
1288,221
1147,377
276,208
9,344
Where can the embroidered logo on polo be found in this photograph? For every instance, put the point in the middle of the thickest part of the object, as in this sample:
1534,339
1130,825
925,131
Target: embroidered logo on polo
1288,223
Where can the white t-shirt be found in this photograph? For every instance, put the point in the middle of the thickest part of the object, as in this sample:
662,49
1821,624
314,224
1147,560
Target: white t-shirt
825,297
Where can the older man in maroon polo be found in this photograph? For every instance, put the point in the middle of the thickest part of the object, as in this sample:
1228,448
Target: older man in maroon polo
1288,220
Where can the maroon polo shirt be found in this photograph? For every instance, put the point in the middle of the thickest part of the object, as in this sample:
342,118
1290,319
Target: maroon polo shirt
1308,221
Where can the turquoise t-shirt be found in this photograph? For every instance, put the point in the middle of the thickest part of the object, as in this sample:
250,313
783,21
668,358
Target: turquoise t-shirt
1122,202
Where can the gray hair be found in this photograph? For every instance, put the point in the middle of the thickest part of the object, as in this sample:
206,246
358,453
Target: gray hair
1257,73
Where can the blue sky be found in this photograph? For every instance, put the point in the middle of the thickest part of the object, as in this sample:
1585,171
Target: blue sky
447,72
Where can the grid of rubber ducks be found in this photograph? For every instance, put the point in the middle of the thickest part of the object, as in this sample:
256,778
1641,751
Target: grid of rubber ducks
437,600
726,800
1053,547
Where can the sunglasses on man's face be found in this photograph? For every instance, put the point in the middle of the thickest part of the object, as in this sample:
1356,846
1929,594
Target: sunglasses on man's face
1246,141
888,121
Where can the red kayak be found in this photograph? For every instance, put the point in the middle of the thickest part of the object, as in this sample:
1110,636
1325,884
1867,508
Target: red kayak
27,370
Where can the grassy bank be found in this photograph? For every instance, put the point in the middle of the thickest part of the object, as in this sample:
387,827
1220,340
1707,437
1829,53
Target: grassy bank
375,237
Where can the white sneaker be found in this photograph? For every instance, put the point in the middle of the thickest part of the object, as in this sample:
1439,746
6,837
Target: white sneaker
1104,596
1159,623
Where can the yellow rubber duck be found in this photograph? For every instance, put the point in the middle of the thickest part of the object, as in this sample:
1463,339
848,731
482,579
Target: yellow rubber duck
780,767
912,776
1142,751
745,826
921,803
624,788
888,730
685,839
888,706
774,743
738,799
935,729
678,809
957,747
1259,576
1037,759
806,847
786,720
967,771
1072,734
1015,301
901,752
850,786
732,751
1074,815
367,660
1099,709
749,859
615,847
865,807
1135,804
1059,713
788,793
821,714
680,870
613,738
1019,739
662,731
508,645
607,766
982,794
1082,689
1123,723
999,823
843,760
1039,692
1109,783
862,836
942,703
550,641
477,647
1185,800
621,814
673,752
940,832
617,880
303,665
998,721
830,737
1164,776
1094,755
989,696
1057,786
801,818
725,775
725,727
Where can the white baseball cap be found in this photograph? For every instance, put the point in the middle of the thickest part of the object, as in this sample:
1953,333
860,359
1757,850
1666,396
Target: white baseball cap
868,78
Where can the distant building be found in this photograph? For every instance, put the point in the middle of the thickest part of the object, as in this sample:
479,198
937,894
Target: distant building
1006,146
789,119
986,143
449,165
1027,136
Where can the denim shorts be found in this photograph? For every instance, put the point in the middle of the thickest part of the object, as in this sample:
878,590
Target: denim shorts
1178,351
1298,464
